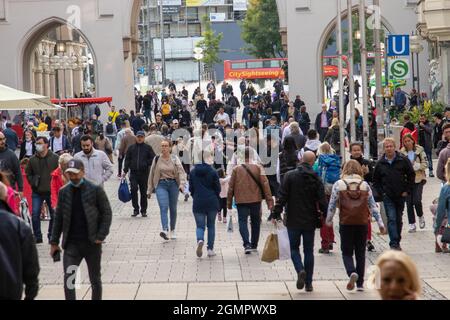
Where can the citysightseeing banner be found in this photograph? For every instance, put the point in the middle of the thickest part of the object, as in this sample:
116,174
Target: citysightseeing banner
200,3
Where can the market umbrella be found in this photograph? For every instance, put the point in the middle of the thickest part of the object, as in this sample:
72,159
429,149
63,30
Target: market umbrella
12,99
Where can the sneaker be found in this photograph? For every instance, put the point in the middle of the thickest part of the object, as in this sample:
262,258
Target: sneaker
254,249
211,253
431,175
309,288
186,197
330,247
325,251
360,288
219,217
163,234
412,228
248,249
352,281
39,240
173,235
397,248
200,248
301,280
224,220
135,214
421,222
370,246
144,214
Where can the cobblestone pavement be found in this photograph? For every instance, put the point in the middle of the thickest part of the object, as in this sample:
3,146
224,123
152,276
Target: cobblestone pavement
138,264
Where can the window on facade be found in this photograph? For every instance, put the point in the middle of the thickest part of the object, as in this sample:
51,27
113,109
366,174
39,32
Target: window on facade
192,14
194,30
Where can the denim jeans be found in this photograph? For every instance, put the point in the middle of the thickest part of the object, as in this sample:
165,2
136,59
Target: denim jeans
37,201
203,220
295,239
430,160
253,211
112,139
414,201
73,255
353,240
167,196
394,212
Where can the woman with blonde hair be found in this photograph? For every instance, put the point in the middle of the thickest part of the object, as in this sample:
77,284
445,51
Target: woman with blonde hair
396,277
443,208
418,158
353,196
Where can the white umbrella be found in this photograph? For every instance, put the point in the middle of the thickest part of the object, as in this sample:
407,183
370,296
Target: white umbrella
12,99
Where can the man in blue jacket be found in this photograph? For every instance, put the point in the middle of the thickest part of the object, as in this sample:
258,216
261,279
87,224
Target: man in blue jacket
12,140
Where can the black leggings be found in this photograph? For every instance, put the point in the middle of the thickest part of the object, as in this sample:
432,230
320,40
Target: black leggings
223,206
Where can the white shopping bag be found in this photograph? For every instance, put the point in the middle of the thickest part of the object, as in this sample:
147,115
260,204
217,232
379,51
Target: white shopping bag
284,246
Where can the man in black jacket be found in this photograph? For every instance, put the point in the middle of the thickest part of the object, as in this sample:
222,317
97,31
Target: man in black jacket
83,216
323,122
19,263
393,180
138,161
300,193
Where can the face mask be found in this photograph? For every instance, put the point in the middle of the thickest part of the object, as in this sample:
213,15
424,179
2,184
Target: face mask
39,148
27,139
77,185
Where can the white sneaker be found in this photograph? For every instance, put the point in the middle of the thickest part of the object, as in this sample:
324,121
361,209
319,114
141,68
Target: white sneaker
211,253
412,228
352,281
200,248
421,222
173,235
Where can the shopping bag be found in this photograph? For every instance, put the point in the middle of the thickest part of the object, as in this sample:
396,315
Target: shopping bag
284,246
270,252
124,191
25,212
230,224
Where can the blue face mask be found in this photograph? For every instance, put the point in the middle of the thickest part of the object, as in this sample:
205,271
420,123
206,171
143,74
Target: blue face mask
78,184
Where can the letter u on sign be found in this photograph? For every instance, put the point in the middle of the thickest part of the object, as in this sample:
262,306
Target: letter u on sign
398,45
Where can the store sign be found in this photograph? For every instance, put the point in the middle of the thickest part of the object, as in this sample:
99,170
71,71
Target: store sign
170,2
217,16
240,5
171,9
201,3
399,68
255,74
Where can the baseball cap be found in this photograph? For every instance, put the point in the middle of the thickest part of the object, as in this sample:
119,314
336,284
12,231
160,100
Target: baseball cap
140,134
74,166
175,121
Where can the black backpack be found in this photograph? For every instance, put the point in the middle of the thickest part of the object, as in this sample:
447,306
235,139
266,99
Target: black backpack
109,128
335,138
97,111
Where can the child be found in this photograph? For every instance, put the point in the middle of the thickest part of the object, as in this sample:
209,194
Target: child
26,185
223,194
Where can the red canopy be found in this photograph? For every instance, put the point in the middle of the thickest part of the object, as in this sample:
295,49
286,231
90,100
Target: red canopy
82,100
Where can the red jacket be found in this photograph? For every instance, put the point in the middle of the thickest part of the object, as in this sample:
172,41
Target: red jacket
55,185
27,192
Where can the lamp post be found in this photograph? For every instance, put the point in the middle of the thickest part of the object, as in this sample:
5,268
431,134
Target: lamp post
198,55
416,48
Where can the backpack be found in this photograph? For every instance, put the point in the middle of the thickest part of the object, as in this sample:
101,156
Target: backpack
97,111
165,109
329,168
109,128
353,207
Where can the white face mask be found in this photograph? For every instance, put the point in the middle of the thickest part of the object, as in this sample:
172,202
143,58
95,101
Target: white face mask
39,148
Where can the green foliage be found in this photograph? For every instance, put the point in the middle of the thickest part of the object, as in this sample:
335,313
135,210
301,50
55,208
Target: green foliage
210,44
260,29
429,109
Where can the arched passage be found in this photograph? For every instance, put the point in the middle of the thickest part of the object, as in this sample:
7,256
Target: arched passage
41,41
327,33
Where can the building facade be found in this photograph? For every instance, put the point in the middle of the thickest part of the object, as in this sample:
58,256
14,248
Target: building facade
107,31
306,25
183,29
434,26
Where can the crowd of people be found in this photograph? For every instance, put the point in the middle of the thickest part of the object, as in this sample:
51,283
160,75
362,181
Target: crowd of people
175,143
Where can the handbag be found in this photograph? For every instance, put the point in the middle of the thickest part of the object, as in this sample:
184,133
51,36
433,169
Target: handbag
284,246
124,191
271,250
25,213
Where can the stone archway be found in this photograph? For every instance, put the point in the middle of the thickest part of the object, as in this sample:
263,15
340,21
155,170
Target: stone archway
327,32
31,45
